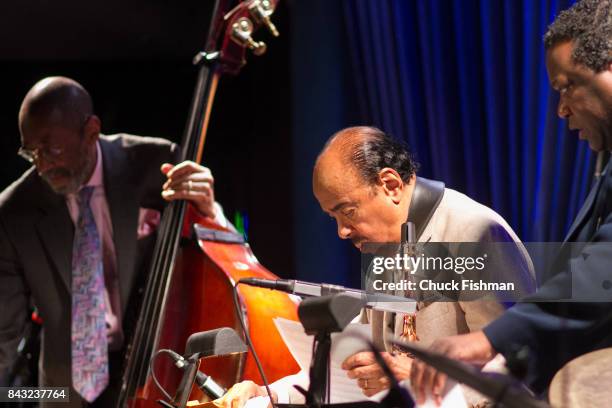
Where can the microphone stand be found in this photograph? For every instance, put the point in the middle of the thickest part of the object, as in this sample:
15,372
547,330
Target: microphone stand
318,391
189,376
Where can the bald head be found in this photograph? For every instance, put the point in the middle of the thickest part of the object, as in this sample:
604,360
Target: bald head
56,101
363,151
59,133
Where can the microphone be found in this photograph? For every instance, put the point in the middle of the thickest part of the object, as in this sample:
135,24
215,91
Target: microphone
408,239
203,381
380,302
300,288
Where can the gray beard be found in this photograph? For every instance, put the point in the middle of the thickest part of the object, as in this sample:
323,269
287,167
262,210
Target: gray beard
71,187
76,180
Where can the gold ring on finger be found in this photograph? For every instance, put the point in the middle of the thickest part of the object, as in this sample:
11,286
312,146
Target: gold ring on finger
190,185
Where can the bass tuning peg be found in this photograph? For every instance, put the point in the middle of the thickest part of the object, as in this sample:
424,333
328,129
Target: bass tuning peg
261,10
242,31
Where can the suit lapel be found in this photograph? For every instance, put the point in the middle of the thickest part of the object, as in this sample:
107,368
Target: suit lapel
585,210
123,207
56,231
426,197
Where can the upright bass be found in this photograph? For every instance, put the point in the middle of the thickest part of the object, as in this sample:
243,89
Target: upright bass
197,263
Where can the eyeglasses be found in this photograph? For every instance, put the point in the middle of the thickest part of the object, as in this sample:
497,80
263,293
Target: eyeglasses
48,153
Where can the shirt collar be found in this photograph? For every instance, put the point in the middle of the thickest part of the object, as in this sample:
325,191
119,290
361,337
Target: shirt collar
97,178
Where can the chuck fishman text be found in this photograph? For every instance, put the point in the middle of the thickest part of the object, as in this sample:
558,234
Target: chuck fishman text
427,284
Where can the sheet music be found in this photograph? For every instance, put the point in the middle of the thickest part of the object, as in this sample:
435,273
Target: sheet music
453,396
258,402
345,344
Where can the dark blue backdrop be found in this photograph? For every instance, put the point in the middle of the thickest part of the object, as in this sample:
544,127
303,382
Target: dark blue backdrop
463,82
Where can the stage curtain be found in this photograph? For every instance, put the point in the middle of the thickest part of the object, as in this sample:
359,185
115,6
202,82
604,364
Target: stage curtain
464,84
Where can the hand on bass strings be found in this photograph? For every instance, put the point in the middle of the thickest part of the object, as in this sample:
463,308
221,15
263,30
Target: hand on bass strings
192,182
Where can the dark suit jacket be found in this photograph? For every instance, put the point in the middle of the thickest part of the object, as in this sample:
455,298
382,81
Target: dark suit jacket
36,235
557,331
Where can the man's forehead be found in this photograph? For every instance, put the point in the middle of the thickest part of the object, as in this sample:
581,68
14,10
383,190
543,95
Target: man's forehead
336,179
329,191
558,60
560,56
46,132
336,196
46,119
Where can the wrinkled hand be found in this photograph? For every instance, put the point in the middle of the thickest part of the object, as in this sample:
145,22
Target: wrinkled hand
190,181
241,392
370,376
472,348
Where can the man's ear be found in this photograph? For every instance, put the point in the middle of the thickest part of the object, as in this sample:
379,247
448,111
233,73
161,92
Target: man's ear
391,183
92,128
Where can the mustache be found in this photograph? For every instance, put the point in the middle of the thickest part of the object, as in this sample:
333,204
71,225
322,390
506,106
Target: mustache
62,172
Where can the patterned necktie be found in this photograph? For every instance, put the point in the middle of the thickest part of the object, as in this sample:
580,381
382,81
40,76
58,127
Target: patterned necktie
89,342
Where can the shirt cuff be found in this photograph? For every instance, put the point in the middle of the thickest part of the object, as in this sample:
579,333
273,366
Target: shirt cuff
220,218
